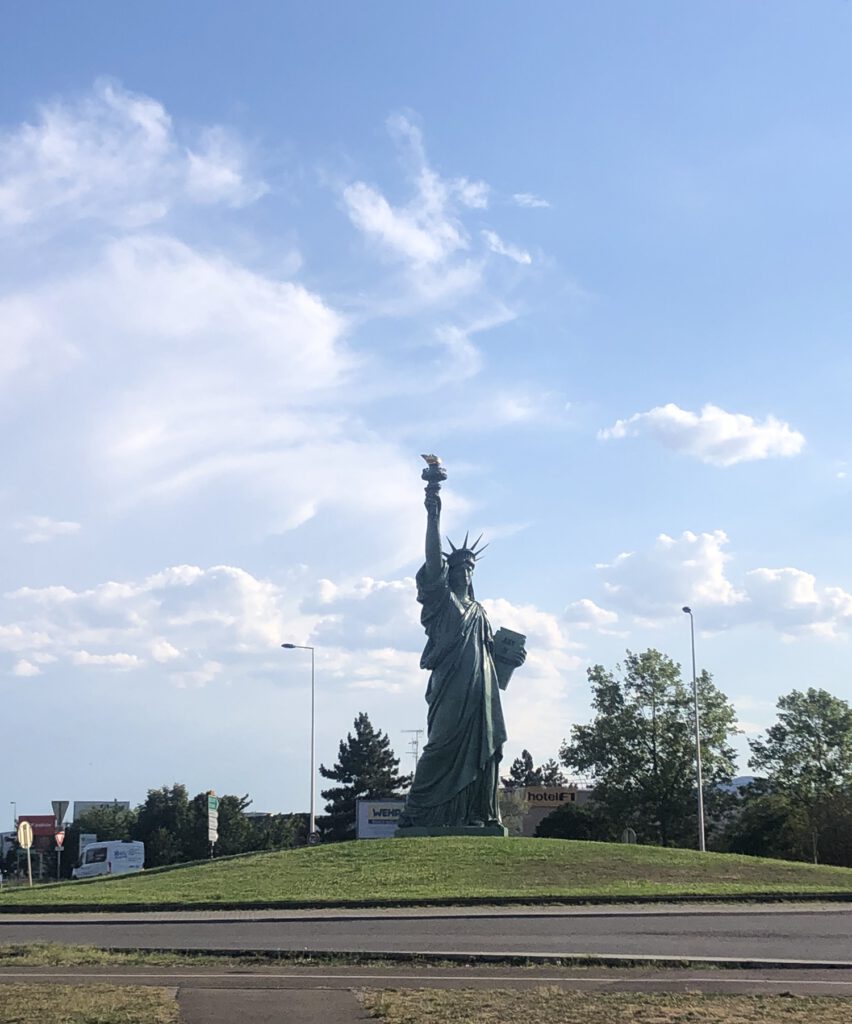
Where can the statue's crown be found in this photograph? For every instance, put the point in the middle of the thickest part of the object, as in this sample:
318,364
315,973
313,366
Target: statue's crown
464,554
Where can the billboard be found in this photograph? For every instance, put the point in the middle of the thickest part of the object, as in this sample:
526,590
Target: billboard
84,806
43,824
376,819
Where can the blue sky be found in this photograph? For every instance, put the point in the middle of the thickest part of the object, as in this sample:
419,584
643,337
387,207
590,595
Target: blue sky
255,260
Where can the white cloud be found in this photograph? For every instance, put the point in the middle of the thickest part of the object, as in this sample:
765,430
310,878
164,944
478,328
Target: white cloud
39,529
419,233
216,173
652,586
496,244
794,603
538,703
585,614
714,436
366,613
162,651
472,193
119,660
25,668
113,155
529,200
226,375
184,618
680,571
427,230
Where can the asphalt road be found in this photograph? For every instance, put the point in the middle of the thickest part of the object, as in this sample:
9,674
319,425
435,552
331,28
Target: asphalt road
806,933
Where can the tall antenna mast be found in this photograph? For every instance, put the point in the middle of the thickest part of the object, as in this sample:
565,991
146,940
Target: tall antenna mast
414,744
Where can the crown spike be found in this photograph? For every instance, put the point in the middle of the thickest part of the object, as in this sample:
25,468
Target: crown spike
466,536
473,546
451,544
478,554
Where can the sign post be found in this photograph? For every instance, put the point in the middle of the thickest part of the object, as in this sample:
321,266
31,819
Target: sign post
212,820
25,838
60,839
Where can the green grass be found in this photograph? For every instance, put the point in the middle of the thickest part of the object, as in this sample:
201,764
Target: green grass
553,1005
87,1004
57,954
399,871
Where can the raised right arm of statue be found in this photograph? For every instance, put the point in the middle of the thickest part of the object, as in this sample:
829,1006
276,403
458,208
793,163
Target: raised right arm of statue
433,532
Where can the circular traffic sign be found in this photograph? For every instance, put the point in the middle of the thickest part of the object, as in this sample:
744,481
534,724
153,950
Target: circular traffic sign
313,838
25,835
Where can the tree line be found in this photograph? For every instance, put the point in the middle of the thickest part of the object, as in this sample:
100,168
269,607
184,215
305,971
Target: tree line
639,753
174,829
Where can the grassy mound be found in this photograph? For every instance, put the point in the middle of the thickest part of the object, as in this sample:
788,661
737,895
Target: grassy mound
399,871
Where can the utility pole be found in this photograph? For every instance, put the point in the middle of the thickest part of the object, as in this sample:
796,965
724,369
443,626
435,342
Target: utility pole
414,744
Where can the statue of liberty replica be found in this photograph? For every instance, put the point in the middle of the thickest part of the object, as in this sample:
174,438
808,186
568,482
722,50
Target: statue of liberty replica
454,791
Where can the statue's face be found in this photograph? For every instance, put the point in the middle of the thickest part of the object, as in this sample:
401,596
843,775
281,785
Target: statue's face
460,578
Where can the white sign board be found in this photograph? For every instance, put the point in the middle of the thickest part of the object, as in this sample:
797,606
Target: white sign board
376,819
85,839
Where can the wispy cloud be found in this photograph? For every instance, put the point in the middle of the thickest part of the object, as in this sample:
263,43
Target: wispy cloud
714,436
113,155
529,200
496,244
427,229
40,529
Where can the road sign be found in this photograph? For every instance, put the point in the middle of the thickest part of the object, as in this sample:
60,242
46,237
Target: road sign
59,809
25,835
212,818
59,837
313,839
25,838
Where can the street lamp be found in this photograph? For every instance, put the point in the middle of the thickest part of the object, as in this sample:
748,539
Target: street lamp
688,611
14,812
300,647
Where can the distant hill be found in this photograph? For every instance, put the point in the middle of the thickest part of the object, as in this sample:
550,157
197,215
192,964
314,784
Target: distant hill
740,782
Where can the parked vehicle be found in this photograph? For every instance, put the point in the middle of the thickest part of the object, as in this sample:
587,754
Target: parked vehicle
116,857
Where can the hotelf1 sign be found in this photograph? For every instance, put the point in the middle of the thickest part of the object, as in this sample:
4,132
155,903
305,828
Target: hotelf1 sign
376,819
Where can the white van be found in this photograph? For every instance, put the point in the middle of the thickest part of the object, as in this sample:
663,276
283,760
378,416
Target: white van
117,857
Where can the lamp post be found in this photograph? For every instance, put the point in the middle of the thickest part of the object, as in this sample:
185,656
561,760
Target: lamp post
301,647
688,611
14,813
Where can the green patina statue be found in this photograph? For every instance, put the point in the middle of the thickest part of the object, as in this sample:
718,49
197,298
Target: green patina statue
454,791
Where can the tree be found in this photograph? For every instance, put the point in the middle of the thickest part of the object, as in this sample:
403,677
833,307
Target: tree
766,825
575,821
522,773
163,825
367,769
640,748
806,757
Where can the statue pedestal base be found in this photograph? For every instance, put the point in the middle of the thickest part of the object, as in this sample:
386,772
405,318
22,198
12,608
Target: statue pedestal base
418,831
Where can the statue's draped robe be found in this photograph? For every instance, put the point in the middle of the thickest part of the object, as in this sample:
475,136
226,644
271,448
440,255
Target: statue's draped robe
456,780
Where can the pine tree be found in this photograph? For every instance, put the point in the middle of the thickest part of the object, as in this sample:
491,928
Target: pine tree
522,773
366,769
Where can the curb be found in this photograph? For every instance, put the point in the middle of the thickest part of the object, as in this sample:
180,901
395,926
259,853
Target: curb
471,901
514,959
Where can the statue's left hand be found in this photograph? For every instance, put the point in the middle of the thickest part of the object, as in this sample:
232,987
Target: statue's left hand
517,657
